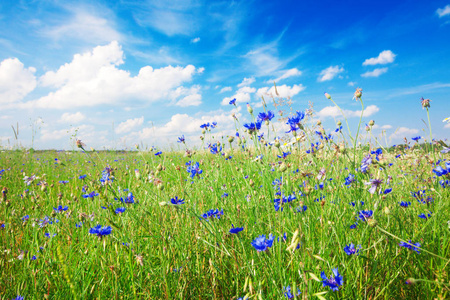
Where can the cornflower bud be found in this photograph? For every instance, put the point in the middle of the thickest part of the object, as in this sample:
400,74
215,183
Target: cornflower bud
249,109
328,96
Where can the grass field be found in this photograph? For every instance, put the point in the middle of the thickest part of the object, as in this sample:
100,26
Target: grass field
319,217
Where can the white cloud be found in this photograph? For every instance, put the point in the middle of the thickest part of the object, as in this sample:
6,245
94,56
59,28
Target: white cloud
385,57
265,59
15,81
93,79
284,91
333,111
402,132
195,40
386,127
226,89
84,26
329,73
443,11
375,73
246,82
286,74
351,83
72,118
129,125
242,95
447,125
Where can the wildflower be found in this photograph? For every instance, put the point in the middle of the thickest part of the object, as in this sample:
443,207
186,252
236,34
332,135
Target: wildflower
107,176
404,204
213,148
387,191
33,257
49,235
262,244
158,153
18,298
194,170
233,102
25,218
350,179
365,162
321,174
249,109
445,150
120,210
425,103
64,181
424,216
296,119
181,139
334,281
416,138
29,179
80,144
60,208
253,127
288,293
353,226
266,117
285,154
328,96
81,177
235,230
364,215
100,231
212,214
358,94
176,201
411,246
90,195
129,199
350,249
375,183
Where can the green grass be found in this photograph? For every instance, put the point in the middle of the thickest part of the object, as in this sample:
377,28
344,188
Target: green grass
175,254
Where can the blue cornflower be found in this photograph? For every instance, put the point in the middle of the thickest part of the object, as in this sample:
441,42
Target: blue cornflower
424,216
364,215
224,195
214,148
64,181
129,199
262,244
350,249
334,281
49,235
285,154
387,191
181,139
288,293
212,214
266,117
60,208
100,231
233,102
353,226
235,230
253,127
25,218
338,129
82,177
158,153
375,183
18,298
410,245
33,257
417,138
205,126
296,119
176,201
404,204
365,162
351,178
301,208
194,169
107,176
90,195
120,210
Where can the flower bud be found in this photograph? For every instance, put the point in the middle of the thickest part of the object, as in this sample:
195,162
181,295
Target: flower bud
319,123
339,123
160,186
387,211
277,143
328,96
230,139
372,222
249,109
371,122
283,167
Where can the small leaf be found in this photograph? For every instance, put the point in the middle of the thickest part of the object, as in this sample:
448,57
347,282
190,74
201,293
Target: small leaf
313,276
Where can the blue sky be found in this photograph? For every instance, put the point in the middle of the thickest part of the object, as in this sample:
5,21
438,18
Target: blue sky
117,73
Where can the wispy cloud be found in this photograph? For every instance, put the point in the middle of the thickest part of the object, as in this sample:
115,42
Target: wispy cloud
286,74
72,118
375,73
226,89
402,132
443,11
246,82
283,91
329,73
129,125
385,57
195,40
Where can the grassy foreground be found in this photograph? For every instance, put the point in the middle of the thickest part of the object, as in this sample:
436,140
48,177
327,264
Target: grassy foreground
338,222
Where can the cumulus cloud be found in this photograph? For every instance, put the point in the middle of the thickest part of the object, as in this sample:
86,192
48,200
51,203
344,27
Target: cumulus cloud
16,81
333,111
385,57
129,125
443,11
72,118
289,73
386,127
242,95
195,40
93,78
402,132
375,73
283,91
329,73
